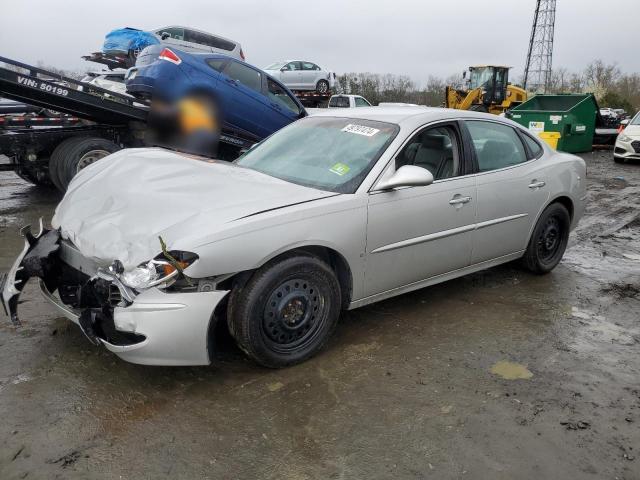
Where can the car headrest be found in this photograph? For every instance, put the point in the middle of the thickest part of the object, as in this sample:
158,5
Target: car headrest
437,142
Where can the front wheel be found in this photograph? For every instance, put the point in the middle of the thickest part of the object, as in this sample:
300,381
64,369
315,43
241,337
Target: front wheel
549,240
286,312
322,87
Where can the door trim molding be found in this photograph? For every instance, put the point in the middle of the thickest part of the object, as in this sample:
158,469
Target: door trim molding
446,233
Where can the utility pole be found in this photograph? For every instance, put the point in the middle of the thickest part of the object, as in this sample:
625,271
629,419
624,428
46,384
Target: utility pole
537,73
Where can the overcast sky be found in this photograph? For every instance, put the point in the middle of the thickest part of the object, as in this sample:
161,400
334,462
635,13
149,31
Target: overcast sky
414,37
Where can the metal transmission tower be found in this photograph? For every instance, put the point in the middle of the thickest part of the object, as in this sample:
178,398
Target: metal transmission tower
537,73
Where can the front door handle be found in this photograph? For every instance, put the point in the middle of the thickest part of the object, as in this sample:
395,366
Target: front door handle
459,200
535,184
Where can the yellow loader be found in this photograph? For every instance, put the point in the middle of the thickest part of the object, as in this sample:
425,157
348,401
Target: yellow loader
488,90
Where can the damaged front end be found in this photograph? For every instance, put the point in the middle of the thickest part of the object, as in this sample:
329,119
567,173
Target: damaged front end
37,259
87,295
151,314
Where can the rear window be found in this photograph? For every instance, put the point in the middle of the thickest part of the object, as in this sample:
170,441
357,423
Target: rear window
209,40
534,146
339,102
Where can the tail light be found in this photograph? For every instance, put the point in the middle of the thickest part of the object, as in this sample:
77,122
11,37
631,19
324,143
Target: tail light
242,54
169,56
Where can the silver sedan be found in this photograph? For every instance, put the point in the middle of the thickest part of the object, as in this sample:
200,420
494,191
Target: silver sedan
150,248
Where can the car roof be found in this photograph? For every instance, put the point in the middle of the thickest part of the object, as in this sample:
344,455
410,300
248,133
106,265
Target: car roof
408,114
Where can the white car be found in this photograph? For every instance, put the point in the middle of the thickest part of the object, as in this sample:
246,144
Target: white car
191,40
608,112
302,75
149,248
628,141
108,80
348,101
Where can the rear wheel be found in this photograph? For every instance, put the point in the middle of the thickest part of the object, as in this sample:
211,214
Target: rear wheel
322,87
286,312
549,240
74,154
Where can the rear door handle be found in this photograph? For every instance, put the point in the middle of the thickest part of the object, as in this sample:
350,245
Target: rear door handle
535,184
459,200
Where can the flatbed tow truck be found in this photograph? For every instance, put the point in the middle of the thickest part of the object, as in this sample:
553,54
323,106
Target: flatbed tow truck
97,122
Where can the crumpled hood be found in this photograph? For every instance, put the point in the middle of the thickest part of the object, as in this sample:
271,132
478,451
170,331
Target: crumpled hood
117,207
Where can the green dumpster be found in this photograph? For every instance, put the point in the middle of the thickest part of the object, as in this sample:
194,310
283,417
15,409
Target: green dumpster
573,116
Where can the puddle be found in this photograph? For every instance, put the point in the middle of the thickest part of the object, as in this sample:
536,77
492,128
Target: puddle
511,370
274,387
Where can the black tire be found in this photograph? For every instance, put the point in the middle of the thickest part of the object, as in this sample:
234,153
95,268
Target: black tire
286,312
74,154
322,87
548,240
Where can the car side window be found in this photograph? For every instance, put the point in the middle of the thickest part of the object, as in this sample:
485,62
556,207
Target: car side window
175,33
279,95
293,66
534,146
435,149
361,102
308,66
497,146
217,63
245,75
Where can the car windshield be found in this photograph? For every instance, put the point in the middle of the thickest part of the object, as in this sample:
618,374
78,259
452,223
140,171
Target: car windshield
332,154
275,66
635,120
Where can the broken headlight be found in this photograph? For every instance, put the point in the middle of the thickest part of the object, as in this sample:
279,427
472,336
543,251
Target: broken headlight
158,272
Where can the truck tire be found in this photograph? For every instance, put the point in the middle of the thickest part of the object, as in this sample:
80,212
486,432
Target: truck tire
286,312
322,87
74,154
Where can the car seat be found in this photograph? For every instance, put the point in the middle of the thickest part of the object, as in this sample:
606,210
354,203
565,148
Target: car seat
495,154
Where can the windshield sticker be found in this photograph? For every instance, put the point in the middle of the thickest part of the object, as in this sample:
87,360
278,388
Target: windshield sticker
360,130
340,168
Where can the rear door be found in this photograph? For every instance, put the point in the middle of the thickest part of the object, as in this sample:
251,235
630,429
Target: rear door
416,233
512,191
243,102
310,75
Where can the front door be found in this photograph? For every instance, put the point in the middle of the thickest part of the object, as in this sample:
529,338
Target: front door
511,190
291,75
415,233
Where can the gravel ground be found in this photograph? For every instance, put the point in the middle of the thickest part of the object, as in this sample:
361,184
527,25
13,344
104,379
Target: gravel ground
497,375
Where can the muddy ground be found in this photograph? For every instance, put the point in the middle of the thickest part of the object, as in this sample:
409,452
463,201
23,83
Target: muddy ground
498,375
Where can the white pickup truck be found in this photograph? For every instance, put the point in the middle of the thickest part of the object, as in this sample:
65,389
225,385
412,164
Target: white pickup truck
348,101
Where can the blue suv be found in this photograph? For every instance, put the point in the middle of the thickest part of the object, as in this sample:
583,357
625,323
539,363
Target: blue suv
251,103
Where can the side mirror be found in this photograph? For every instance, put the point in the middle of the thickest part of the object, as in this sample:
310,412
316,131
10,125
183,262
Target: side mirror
407,176
164,35
464,74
